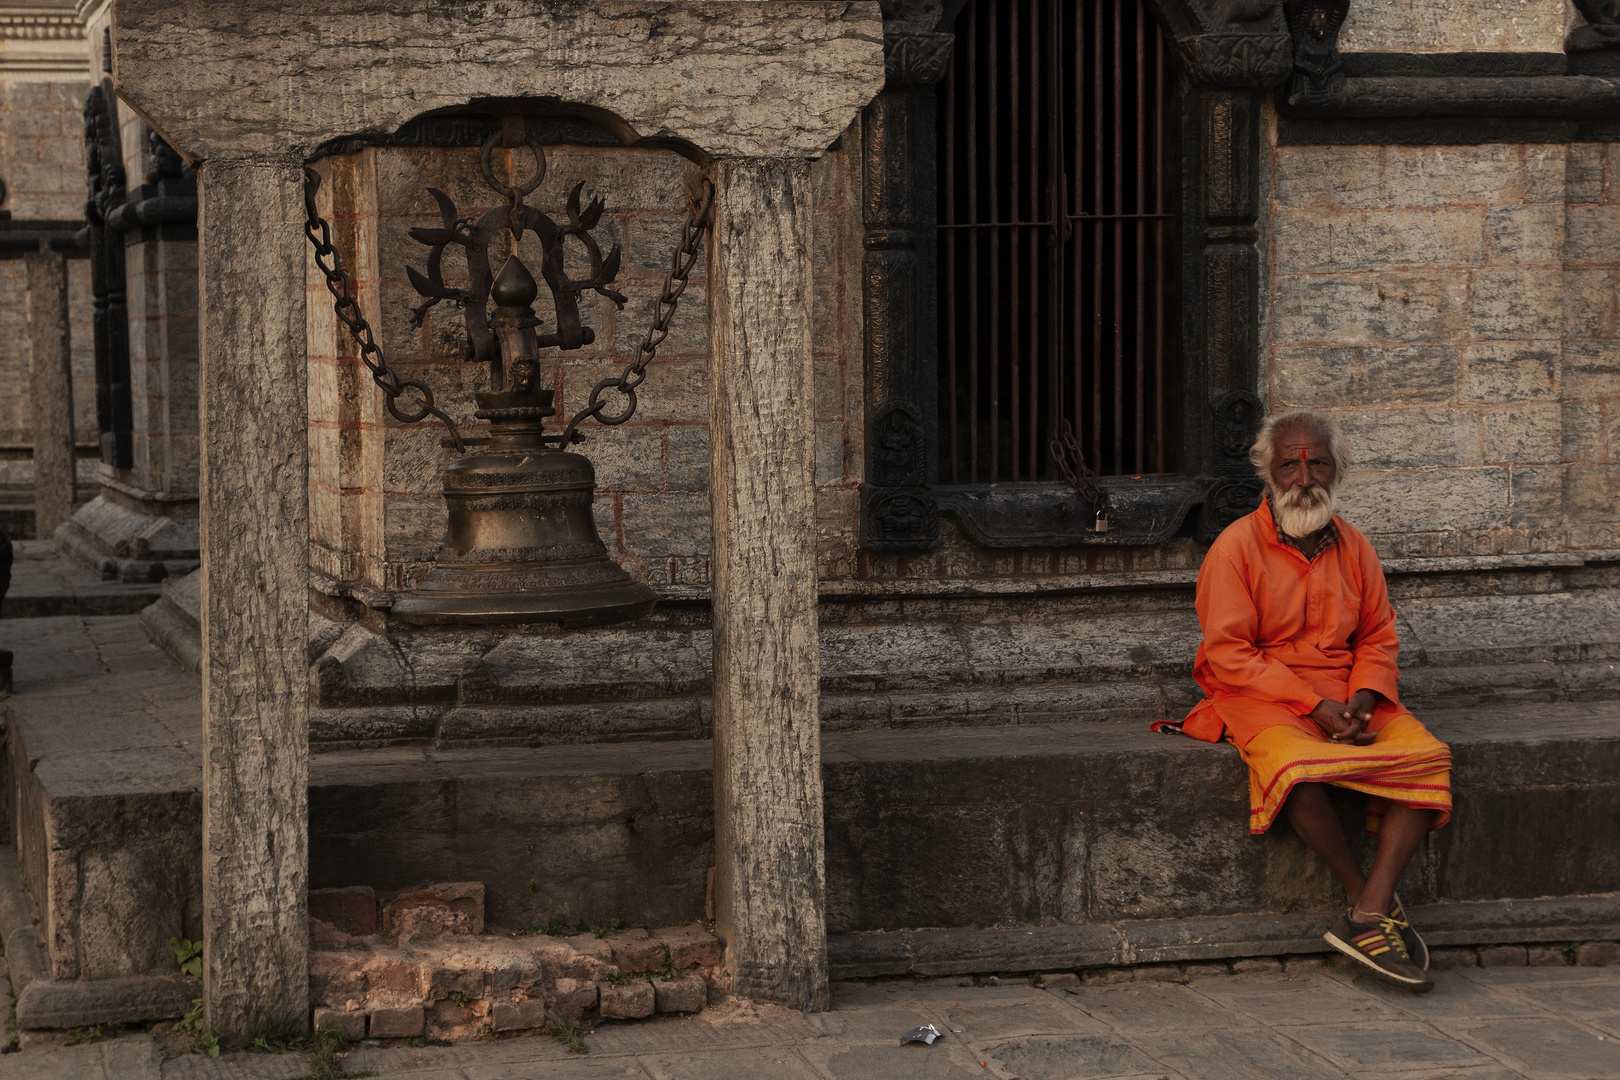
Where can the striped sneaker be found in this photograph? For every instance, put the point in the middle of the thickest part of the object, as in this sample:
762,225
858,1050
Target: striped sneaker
1416,947
1378,945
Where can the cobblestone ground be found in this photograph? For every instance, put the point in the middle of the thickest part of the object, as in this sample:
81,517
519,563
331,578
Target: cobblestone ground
1312,1021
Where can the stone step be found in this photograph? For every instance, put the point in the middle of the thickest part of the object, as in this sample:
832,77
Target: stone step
1097,839
120,544
45,584
1529,633
174,621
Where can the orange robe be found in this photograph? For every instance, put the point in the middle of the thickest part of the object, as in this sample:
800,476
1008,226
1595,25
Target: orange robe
1281,633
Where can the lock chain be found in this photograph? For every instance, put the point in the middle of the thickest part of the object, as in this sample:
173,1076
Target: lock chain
347,309
681,265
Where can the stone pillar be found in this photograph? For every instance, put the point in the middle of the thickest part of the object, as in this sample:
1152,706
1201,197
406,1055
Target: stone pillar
143,524
770,878
255,594
50,378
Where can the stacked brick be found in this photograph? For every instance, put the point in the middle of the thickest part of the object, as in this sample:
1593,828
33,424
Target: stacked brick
419,964
1455,307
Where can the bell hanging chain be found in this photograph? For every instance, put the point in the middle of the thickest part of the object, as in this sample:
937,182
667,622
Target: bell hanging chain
681,264
347,310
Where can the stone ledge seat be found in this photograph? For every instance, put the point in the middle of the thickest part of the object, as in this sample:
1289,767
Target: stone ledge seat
1016,847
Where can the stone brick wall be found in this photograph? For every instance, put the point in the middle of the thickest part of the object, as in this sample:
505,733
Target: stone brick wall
42,163
1470,26
1455,307
377,512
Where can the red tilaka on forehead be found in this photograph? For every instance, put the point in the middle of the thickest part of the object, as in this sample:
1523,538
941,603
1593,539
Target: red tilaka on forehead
1302,459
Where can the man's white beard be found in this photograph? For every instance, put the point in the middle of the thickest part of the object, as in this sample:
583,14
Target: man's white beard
1301,511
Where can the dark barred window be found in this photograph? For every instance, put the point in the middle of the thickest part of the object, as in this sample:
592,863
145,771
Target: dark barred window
1056,240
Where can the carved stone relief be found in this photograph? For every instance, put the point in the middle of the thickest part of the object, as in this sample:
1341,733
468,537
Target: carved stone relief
1315,25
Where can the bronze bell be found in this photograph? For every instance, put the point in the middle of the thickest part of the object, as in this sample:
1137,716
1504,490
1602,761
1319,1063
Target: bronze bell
522,543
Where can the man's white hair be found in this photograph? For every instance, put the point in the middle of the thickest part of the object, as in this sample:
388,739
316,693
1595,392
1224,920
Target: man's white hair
1264,451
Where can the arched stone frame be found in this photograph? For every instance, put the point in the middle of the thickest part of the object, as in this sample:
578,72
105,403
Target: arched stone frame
1228,54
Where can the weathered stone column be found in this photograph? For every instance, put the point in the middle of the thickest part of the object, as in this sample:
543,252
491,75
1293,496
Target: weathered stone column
255,594
770,878
50,379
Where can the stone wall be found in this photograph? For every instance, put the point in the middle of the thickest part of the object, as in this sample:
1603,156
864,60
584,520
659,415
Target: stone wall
42,163
1400,26
1455,307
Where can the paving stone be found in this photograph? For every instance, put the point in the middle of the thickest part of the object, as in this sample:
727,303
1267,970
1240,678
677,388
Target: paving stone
944,1060
575,1069
1384,1044
1551,1046
1268,999
1150,1007
1034,1012
1057,980
1235,1055
734,1065
1579,999
1068,1058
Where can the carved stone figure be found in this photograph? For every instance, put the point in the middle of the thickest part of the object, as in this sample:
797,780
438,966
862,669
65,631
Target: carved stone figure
1315,25
1603,26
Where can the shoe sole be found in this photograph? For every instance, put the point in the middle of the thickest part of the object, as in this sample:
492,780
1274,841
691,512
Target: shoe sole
1420,985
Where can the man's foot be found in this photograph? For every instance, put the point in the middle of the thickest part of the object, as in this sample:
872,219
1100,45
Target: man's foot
1379,946
1416,948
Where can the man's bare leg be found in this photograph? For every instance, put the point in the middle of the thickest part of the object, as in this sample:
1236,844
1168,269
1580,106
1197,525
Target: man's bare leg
1403,829
1312,816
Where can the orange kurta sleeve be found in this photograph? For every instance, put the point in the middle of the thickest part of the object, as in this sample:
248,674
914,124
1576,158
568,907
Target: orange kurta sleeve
1375,644
1231,624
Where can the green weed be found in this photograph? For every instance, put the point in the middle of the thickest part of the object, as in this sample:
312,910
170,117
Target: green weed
94,1033
203,1041
188,954
570,1034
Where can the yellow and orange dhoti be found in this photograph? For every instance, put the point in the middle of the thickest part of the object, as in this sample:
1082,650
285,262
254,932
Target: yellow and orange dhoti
1282,633
1406,765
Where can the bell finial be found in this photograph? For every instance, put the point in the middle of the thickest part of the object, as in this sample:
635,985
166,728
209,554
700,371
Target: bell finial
514,285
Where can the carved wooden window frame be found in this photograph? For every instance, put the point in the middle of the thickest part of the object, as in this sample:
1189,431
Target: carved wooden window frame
1228,56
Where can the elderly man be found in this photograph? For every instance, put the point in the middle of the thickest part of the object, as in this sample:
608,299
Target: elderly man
1298,668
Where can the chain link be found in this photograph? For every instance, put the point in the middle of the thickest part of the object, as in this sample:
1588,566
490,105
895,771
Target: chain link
347,310
1071,462
681,264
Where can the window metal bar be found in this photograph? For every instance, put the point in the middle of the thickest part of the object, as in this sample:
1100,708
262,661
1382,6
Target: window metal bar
1055,213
